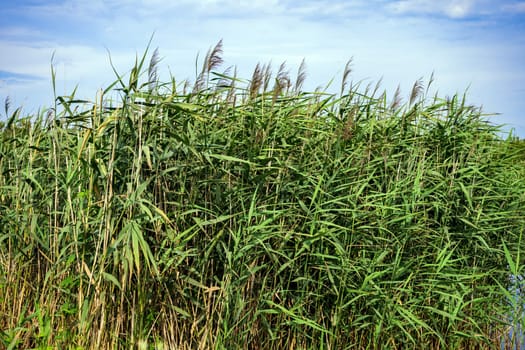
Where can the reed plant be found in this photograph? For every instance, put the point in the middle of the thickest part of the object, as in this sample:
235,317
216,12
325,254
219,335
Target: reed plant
250,214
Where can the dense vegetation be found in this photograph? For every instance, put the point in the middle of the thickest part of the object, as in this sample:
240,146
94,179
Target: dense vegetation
251,214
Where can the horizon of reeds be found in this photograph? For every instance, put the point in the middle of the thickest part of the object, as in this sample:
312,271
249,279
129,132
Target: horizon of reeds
255,215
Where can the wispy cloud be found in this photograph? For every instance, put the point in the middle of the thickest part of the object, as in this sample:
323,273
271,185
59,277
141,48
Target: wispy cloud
455,9
17,78
30,58
516,7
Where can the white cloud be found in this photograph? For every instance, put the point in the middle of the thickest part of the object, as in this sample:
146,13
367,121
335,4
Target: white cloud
518,7
26,59
456,9
21,32
450,8
76,8
459,9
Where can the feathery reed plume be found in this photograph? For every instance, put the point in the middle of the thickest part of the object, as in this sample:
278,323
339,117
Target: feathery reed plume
417,90
267,76
225,80
50,117
152,69
346,74
214,57
348,126
282,81
231,97
366,92
256,82
430,81
378,85
199,83
7,104
212,60
186,87
396,102
301,76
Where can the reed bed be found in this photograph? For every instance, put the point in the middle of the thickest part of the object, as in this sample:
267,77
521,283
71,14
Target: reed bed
250,214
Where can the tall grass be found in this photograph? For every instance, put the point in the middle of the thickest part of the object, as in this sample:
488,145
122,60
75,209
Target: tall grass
232,214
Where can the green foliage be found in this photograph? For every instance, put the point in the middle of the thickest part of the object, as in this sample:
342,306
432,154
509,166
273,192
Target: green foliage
232,214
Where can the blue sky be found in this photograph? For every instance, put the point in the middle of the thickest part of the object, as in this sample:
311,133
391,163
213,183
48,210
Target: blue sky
474,44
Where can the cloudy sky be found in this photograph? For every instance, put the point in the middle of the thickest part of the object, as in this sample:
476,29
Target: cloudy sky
477,45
